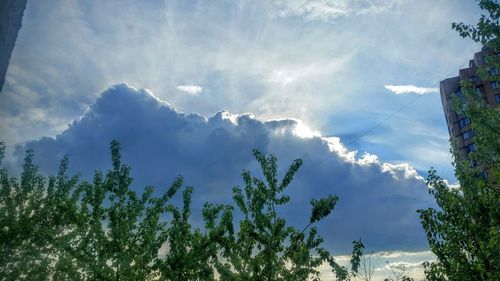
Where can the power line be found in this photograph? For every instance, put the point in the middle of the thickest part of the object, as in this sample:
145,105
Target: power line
385,120
395,113
389,117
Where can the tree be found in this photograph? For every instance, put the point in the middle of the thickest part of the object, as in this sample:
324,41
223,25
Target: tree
36,220
464,233
120,233
192,254
66,229
71,230
265,248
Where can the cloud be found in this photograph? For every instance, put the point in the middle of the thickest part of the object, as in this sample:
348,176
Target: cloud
414,270
247,58
401,265
377,200
401,254
329,10
190,89
410,89
411,261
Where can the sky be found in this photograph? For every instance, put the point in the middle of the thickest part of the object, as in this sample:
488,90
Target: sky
191,87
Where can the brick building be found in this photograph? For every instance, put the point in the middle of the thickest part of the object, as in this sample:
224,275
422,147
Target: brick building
458,124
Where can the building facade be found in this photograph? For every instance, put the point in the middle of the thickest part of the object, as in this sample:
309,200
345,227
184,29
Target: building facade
459,126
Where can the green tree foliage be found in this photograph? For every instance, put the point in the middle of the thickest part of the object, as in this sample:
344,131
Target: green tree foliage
121,233
464,232
192,254
265,248
63,229
36,221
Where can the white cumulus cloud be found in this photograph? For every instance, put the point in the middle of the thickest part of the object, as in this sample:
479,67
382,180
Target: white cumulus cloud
410,89
190,89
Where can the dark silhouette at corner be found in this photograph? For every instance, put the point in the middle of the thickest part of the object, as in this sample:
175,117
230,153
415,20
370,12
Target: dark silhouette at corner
11,17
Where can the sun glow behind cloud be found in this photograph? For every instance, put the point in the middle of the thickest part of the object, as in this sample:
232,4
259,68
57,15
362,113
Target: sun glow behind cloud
303,131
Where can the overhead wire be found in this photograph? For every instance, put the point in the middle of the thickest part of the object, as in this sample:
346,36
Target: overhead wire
372,128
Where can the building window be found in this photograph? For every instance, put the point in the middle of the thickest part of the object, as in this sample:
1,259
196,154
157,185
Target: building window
494,85
468,134
463,122
471,147
497,98
473,79
494,71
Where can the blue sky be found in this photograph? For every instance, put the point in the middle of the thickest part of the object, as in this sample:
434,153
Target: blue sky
329,71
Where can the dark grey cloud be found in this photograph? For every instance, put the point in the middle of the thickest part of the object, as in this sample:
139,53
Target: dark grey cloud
377,200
